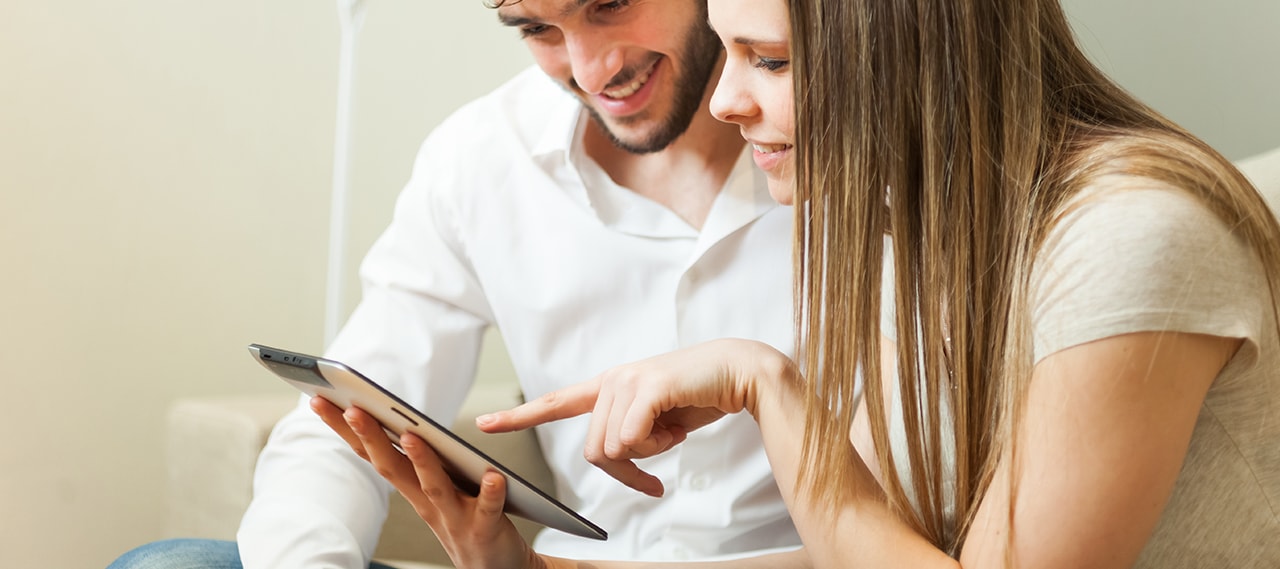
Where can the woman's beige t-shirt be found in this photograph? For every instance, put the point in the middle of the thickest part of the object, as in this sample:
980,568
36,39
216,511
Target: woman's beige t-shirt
1136,255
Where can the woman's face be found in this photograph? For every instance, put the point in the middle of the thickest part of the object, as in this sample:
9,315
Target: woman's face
755,87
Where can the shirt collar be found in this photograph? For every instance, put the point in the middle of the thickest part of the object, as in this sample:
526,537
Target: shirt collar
558,152
551,150
743,199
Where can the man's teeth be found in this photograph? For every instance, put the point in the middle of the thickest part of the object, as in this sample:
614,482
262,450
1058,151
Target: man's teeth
628,90
767,148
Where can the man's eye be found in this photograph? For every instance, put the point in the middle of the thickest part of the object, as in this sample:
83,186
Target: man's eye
614,5
770,64
530,31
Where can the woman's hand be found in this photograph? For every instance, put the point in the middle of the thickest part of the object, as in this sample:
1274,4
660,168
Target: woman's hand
473,530
645,408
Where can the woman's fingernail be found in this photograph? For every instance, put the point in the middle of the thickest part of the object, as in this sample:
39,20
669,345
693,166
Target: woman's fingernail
485,419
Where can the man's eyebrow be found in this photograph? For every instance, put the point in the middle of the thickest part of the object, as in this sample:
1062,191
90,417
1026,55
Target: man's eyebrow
514,21
517,21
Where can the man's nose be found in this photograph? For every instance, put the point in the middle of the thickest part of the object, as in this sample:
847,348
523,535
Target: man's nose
595,61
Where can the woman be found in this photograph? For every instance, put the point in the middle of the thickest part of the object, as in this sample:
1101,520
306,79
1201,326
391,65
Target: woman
1070,359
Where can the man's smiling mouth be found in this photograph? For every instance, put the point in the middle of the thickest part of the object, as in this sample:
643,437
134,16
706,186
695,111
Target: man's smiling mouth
631,88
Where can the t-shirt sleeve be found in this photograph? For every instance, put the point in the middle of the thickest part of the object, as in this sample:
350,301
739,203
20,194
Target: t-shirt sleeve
1135,255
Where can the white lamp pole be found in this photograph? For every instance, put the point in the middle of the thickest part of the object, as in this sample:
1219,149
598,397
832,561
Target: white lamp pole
350,16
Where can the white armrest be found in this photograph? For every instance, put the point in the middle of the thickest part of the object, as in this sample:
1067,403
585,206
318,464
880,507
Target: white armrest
1264,171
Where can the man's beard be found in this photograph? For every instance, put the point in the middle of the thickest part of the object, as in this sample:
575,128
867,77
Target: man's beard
699,55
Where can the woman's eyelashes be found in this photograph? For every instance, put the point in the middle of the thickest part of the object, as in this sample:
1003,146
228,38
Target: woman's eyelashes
771,63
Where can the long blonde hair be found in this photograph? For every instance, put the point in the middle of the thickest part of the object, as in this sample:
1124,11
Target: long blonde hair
959,128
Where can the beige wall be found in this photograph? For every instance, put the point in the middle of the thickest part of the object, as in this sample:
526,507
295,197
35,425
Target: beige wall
164,183
164,180
1211,66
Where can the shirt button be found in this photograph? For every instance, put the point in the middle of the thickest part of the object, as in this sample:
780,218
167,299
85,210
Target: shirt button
699,482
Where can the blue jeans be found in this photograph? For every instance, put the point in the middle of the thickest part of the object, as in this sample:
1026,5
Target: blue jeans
188,554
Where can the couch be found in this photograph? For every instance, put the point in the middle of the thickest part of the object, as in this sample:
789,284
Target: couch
214,442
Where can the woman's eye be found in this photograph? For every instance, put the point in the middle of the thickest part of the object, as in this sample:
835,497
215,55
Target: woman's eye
771,64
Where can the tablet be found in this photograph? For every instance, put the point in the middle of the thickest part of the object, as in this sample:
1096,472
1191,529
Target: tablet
346,387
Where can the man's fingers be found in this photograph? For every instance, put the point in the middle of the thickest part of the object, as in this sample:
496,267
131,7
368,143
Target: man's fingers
332,416
415,471
493,494
433,481
560,404
384,457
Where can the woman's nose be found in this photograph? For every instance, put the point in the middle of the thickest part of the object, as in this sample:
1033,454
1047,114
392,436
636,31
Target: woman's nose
731,102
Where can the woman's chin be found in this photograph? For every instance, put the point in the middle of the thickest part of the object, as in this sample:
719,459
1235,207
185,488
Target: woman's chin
782,191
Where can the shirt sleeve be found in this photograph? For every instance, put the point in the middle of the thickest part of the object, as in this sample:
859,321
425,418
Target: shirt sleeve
1134,255
417,331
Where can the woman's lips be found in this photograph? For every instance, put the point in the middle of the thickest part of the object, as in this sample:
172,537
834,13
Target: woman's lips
769,157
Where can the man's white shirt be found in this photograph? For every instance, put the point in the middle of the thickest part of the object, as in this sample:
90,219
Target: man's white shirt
507,222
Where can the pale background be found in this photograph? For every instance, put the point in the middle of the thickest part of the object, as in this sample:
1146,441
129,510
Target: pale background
164,182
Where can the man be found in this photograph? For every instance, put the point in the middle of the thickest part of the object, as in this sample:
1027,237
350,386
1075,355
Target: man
596,212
